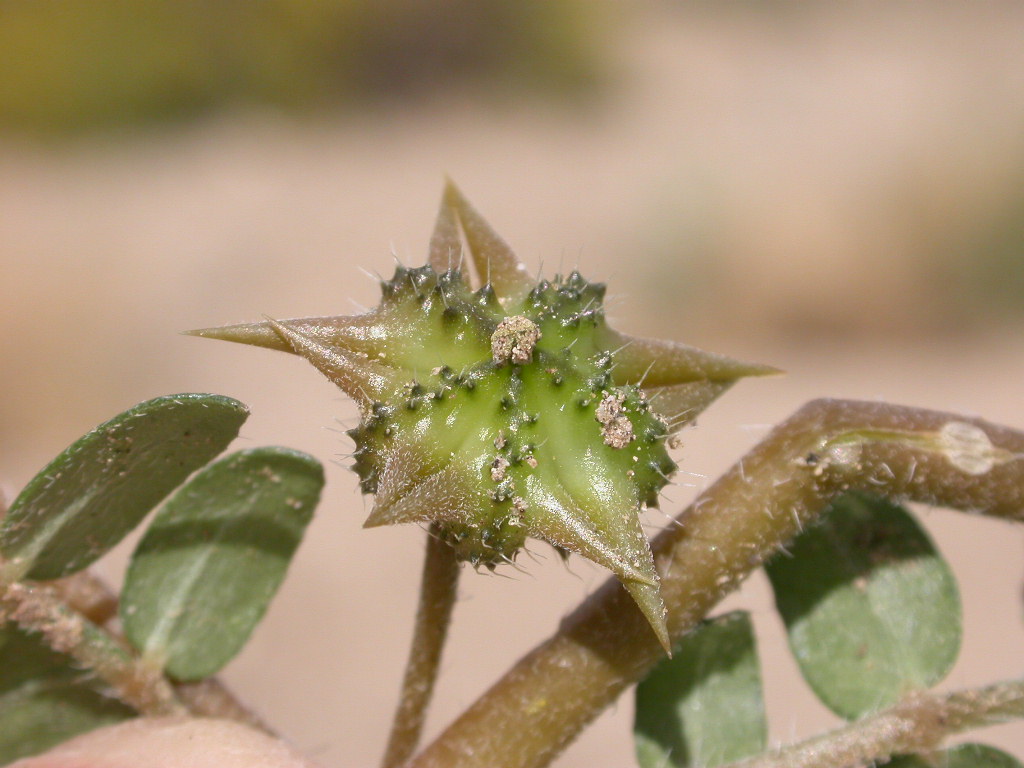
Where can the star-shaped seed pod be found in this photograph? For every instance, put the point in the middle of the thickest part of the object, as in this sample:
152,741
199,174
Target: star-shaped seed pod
509,411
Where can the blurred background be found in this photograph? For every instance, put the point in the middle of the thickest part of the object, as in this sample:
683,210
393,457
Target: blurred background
834,189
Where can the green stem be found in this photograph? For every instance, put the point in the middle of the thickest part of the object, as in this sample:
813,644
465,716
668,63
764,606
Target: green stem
437,597
919,723
764,501
36,608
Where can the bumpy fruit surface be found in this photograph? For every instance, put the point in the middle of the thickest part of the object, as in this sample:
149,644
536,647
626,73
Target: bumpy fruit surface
511,411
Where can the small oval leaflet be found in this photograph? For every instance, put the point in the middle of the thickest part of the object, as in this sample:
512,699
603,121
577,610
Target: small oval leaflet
703,707
871,608
204,573
88,498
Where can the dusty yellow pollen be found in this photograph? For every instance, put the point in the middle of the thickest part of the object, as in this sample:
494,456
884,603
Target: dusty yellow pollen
514,339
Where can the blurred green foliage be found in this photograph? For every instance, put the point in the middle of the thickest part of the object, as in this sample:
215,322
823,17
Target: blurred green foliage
70,65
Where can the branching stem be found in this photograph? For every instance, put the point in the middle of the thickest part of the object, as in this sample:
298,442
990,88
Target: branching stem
919,723
764,501
87,595
37,608
437,597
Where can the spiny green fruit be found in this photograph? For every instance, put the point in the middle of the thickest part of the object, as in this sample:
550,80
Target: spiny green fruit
511,411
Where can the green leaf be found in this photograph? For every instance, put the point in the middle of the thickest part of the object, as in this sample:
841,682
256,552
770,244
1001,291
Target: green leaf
962,756
703,707
871,608
44,700
214,556
99,488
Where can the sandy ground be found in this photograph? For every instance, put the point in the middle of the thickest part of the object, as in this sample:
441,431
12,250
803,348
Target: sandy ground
784,147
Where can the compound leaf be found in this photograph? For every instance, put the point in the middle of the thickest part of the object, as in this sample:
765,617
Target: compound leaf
101,487
215,554
703,707
871,608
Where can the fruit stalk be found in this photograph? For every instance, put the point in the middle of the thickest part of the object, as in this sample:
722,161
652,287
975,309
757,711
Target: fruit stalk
439,585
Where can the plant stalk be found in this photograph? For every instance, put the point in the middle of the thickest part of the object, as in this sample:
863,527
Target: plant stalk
86,594
438,588
211,698
919,723
828,447
36,608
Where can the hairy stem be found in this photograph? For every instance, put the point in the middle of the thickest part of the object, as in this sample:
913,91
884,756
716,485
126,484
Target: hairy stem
87,595
765,500
210,698
919,723
437,597
37,608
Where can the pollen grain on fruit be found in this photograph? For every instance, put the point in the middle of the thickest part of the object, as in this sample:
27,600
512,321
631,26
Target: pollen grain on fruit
514,340
616,428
